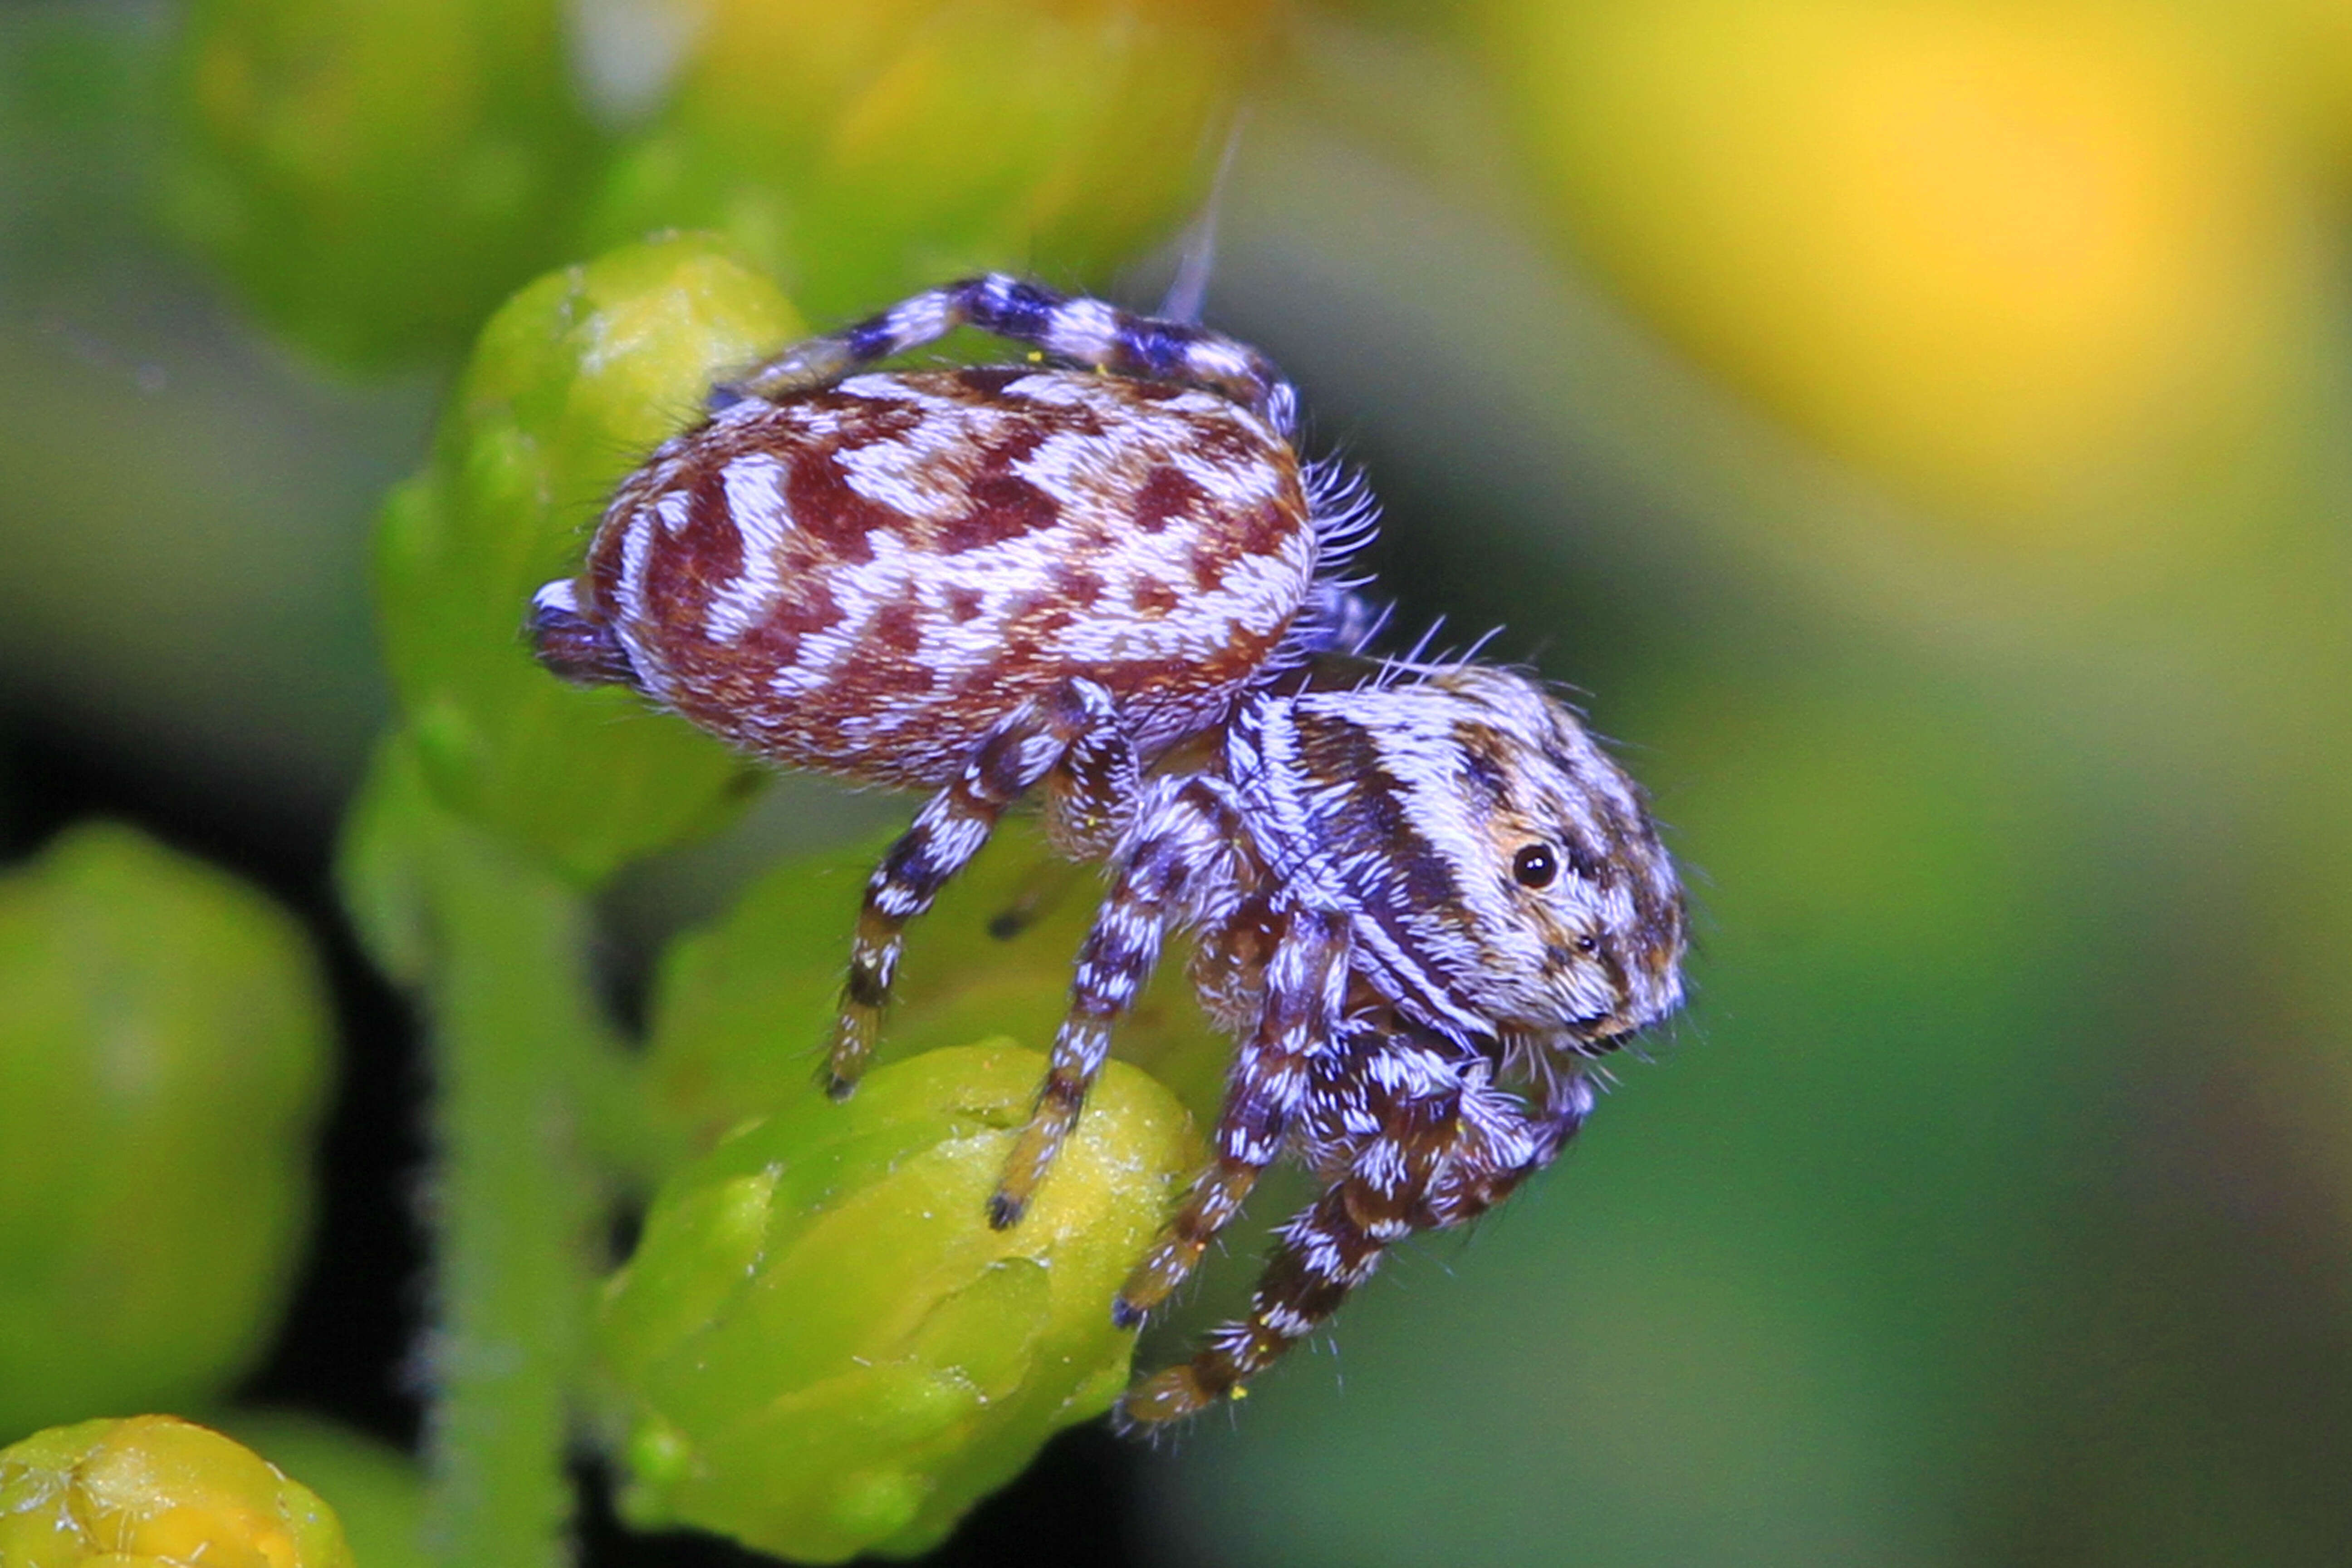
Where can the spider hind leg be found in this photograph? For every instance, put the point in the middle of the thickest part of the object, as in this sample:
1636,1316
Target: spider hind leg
1037,743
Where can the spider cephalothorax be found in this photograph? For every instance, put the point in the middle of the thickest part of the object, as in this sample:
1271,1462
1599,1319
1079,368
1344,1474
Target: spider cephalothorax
1406,881
1405,889
1502,871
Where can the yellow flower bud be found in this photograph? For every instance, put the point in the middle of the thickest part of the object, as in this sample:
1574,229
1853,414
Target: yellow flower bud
573,382
822,1347
155,1491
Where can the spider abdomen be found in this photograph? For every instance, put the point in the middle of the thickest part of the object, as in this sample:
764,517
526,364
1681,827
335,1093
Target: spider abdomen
867,577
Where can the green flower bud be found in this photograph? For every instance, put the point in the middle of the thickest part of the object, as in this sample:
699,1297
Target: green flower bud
822,1347
155,1491
864,151
573,381
740,1007
164,1056
376,174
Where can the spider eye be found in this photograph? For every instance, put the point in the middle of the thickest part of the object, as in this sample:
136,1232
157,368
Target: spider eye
1535,865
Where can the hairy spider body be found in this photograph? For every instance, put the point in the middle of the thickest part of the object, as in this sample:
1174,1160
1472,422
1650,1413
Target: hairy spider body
977,582
869,578
1408,884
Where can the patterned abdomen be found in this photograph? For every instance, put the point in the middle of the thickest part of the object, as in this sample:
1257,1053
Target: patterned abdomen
864,579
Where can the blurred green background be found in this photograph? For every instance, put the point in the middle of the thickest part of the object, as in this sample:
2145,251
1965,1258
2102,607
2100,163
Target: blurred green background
1922,426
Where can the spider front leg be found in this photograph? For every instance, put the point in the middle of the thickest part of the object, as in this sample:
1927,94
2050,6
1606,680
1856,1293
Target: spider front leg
1317,1258
1087,332
1499,1145
1441,1155
1183,861
1305,985
1075,742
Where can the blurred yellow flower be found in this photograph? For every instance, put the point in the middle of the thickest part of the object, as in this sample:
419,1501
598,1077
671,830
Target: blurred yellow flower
862,152
2018,260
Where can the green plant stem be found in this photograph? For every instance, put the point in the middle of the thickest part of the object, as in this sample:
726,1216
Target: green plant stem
522,1060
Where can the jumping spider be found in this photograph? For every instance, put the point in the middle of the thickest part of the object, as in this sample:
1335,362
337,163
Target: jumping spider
1409,884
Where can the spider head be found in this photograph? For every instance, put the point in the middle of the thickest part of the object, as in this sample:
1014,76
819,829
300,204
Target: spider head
1503,874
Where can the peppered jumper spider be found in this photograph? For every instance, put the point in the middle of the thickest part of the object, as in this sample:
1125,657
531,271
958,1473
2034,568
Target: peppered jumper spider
1420,894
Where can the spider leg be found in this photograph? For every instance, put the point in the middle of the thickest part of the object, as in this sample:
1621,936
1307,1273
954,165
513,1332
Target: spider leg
1033,742
1333,1245
1317,1258
1448,1147
1305,985
1087,332
1089,800
1184,845
1500,1145
1090,797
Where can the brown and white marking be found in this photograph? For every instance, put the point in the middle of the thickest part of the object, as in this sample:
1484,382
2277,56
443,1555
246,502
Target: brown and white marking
869,578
